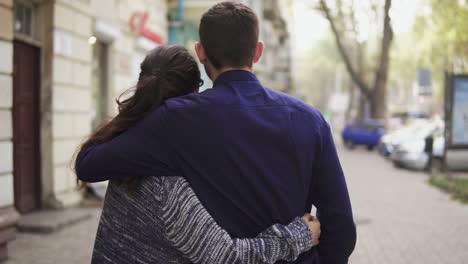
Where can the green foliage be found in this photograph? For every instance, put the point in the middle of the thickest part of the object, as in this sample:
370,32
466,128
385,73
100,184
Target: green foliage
317,69
450,24
444,34
458,188
439,40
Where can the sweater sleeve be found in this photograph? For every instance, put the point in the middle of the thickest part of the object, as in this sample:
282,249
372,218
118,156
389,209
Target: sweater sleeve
192,230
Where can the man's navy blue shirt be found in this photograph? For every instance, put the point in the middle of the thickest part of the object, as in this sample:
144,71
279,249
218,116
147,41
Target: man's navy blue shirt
254,157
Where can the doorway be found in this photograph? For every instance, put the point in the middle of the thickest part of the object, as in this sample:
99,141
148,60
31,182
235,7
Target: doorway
100,78
26,137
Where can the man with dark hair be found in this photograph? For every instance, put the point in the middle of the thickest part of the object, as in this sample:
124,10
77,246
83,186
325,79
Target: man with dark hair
254,156
229,36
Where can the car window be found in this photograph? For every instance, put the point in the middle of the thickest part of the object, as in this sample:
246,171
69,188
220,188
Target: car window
370,128
373,127
356,125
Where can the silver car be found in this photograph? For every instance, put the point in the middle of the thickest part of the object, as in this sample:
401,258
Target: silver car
410,153
389,142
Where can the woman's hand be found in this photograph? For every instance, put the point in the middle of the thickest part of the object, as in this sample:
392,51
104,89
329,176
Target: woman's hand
314,227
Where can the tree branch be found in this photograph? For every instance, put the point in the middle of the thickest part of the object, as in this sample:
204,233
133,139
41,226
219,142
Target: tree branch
381,74
349,66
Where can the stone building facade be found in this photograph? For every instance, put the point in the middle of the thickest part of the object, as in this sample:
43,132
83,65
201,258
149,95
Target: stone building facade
275,67
62,64
8,215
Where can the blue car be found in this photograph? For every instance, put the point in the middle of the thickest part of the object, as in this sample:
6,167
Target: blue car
363,132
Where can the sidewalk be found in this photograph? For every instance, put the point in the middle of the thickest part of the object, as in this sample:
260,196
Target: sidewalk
400,217
71,244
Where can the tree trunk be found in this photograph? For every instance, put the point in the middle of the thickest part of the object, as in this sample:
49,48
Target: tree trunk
378,109
378,98
363,87
362,107
375,95
351,102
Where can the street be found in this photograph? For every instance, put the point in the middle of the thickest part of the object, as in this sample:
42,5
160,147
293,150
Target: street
400,219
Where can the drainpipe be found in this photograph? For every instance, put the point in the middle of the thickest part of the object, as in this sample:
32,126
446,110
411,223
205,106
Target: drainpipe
176,24
180,10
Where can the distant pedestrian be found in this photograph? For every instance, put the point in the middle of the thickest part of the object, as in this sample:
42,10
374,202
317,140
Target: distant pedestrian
429,150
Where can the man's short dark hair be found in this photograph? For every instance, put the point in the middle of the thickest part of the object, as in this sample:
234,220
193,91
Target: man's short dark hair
229,34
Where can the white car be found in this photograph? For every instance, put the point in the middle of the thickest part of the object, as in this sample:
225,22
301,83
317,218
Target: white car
410,153
389,142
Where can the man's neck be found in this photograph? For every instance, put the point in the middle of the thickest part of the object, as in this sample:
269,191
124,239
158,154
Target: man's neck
217,73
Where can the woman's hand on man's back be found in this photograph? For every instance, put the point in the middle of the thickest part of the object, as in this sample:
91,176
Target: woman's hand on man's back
314,228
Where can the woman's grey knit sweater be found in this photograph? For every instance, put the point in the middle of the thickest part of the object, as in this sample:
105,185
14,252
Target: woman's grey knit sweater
164,222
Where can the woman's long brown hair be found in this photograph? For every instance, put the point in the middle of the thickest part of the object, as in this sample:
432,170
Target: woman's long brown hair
167,71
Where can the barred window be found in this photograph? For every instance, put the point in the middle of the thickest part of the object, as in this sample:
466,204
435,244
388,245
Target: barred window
24,19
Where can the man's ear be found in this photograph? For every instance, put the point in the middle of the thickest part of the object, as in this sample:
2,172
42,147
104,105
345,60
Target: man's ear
258,51
200,52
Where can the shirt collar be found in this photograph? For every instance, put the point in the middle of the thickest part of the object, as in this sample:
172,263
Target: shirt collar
235,76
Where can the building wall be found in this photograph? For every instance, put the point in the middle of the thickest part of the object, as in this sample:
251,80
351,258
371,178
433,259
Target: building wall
8,215
274,68
65,27
74,23
71,97
6,98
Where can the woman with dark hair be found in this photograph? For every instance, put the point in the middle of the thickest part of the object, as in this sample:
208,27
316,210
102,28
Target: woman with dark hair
160,219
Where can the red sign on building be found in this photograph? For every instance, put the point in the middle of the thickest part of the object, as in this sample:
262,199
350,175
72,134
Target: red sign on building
139,25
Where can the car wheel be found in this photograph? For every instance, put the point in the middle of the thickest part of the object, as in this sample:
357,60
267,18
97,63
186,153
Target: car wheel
397,165
370,148
349,144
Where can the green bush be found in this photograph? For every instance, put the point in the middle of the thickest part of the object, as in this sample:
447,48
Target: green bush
458,188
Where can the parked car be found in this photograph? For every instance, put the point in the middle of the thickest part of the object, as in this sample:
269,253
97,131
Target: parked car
412,114
363,132
390,141
410,153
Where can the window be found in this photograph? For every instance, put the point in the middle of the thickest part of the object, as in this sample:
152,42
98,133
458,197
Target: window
25,19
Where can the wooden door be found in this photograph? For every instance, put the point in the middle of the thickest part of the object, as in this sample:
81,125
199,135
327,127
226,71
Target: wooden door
26,112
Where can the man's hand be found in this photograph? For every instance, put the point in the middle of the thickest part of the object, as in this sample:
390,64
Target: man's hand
314,227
